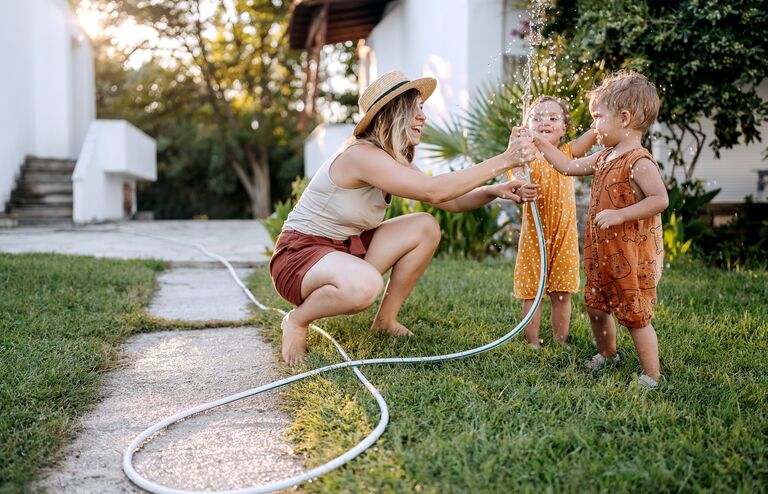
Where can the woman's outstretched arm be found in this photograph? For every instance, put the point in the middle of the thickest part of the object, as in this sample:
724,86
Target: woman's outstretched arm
367,164
515,190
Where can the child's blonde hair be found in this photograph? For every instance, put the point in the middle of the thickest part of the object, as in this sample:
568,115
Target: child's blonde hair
563,106
389,129
630,91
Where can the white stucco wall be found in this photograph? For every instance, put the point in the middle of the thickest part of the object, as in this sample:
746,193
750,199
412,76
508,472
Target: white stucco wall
115,153
458,42
325,140
47,88
486,39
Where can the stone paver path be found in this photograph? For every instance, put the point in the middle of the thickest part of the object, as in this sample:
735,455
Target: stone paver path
233,447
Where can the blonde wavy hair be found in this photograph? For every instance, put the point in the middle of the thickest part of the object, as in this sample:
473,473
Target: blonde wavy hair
389,129
630,91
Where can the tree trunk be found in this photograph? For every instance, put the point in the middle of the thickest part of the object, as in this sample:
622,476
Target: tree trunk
260,190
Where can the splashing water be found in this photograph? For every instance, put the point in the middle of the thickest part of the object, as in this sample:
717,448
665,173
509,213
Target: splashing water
534,40
535,24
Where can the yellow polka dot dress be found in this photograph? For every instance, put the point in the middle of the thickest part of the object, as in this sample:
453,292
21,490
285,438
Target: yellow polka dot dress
557,209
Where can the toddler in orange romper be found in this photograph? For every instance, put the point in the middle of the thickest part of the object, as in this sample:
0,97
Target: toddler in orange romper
623,251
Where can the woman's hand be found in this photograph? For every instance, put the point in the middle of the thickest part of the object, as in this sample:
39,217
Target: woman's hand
520,132
520,150
515,190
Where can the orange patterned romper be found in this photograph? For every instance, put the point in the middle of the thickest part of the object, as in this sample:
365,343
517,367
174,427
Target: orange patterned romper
623,263
557,208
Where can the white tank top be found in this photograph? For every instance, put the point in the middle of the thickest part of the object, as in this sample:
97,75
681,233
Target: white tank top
328,210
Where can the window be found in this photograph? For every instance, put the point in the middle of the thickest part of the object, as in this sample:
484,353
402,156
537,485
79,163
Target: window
516,28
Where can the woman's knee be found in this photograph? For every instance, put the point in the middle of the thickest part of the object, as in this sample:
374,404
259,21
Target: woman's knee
428,227
362,288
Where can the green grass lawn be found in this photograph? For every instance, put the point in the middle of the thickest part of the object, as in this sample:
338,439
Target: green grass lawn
62,319
516,420
511,419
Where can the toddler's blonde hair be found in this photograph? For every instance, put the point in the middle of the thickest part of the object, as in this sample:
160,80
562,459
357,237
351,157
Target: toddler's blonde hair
630,91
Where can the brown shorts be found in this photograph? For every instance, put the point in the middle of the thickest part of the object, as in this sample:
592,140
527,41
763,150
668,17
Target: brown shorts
633,308
295,253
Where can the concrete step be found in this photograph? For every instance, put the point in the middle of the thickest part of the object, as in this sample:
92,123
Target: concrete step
59,222
8,220
46,199
41,188
49,164
41,211
45,176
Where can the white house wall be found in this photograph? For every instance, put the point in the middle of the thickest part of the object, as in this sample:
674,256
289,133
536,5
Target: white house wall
47,86
16,117
115,154
322,143
485,58
458,42
83,91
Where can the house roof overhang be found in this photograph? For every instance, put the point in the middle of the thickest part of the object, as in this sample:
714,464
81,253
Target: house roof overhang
348,20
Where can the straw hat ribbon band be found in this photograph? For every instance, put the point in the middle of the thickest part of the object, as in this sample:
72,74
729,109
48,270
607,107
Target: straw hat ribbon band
389,91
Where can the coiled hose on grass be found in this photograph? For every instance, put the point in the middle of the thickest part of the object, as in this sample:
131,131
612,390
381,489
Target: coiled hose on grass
360,447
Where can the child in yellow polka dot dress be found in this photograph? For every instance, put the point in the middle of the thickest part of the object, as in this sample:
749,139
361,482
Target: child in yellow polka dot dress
549,117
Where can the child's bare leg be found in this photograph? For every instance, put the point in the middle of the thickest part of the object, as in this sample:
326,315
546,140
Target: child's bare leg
532,329
647,346
604,331
561,315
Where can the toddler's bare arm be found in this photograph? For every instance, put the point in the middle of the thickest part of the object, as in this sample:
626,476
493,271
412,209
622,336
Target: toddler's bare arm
562,163
583,143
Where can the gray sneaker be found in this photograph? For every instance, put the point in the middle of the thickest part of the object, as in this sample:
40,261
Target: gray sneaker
598,362
647,382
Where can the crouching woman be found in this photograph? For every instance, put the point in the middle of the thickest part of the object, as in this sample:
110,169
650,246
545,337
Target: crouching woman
335,245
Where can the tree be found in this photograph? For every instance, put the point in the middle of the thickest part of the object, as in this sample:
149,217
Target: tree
233,59
706,56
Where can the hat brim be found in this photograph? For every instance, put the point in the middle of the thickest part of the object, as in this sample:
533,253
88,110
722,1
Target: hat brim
425,85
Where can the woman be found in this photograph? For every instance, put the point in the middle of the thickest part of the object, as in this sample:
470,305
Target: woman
335,246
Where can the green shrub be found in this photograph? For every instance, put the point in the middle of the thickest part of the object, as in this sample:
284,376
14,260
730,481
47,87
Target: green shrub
740,244
472,234
687,203
274,222
675,243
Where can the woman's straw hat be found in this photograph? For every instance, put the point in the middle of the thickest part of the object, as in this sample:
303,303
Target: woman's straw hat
385,89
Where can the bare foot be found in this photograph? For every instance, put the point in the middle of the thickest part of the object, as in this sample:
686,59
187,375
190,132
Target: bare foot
562,343
536,345
294,341
393,329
